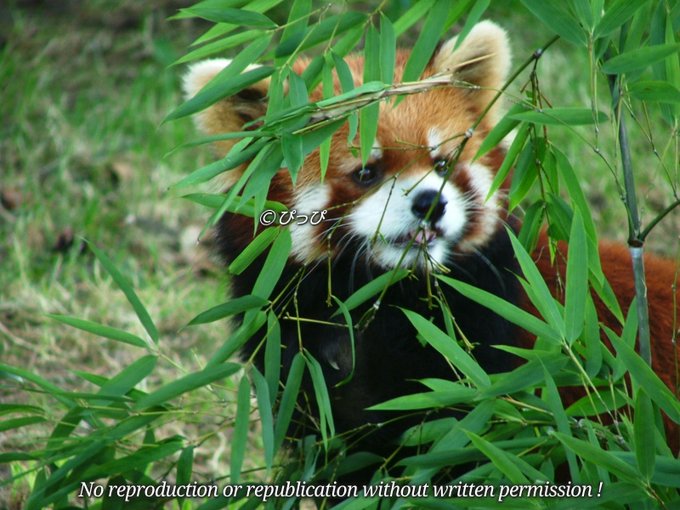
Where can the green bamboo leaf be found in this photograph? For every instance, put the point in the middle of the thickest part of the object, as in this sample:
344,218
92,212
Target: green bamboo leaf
332,26
136,460
552,397
659,91
639,58
220,45
240,17
531,225
264,406
373,287
564,115
242,151
428,400
594,405
185,467
20,408
643,375
100,330
577,279
296,28
555,17
527,376
273,265
231,307
599,457
509,160
615,16
478,8
215,91
17,423
125,285
253,250
187,383
21,375
323,400
644,432
504,461
129,377
416,11
288,400
368,127
239,437
388,49
292,153
544,302
503,308
584,13
251,324
524,175
449,348
427,41
272,355
350,330
500,130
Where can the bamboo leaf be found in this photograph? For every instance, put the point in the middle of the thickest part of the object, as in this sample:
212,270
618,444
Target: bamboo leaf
288,400
500,130
215,91
273,265
239,17
644,431
428,400
100,330
187,383
373,287
427,41
239,438
599,457
264,406
615,16
577,279
449,348
564,115
125,285
505,462
647,379
231,307
639,58
557,19
503,308
253,250
659,91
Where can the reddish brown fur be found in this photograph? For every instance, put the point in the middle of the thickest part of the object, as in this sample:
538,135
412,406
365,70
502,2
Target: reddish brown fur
661,276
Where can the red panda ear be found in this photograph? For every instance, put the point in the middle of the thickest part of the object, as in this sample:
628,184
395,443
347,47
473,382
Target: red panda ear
229,114
483,58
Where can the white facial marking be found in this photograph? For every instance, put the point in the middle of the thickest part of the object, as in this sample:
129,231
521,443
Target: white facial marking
307,201
481,178
386,221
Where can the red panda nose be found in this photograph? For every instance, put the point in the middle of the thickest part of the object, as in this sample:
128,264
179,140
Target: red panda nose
424,200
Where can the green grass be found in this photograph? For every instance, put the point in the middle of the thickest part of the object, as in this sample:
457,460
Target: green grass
82,156
82,150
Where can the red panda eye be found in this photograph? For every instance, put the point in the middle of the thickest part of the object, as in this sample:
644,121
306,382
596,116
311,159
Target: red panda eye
366,175
441,166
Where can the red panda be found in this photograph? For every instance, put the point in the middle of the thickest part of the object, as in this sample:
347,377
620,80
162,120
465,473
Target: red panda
409,206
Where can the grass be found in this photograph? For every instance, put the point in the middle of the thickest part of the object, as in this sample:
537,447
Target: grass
82,154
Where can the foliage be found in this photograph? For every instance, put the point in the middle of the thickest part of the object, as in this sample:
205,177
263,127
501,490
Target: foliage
518,430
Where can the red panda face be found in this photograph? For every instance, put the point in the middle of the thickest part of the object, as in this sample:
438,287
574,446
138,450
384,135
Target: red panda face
419,199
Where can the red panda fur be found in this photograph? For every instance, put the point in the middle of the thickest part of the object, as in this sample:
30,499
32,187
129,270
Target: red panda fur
482,60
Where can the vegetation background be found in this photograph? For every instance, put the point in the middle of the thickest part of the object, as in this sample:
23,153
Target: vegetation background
84,87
